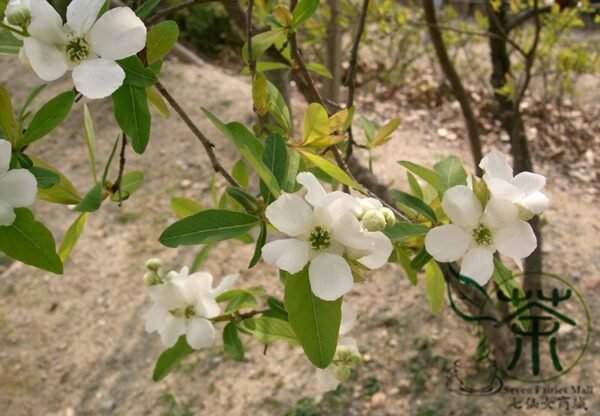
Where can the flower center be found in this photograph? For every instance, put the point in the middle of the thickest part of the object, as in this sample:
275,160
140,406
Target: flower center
482,235
186,312
319,238
77,49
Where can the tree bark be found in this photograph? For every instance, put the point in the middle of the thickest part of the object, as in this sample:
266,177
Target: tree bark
333,56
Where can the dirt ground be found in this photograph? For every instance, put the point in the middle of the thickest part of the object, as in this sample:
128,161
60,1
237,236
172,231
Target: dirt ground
75,344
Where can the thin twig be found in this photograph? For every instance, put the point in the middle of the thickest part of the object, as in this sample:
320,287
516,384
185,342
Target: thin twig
170,10
530,57
117,185
208,146
251,60
525,15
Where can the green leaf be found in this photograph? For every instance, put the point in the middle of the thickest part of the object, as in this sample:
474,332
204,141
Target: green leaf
316,124
260,94
200,257
264,66
92,200
30,242
315,322
170,358
240,173
232,343
276,158
249,147
414,203
133,115
415,188
428,175
36,91
184,207
421,259
136,74
240,299
435,286
384,134
277,309
262,42
319,69
161,39
208,226
157,102
399,255
145,10
62,193
267,330
9,44
404,230
71,236
8,124
130,182
45,177
260,242
90,139
48,117
330,169
279,108
303,11
451,172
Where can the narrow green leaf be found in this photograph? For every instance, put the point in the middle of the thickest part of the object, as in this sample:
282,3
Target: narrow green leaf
170,358
9,44
415,188
136,74
232,343
275,157
242,299
208,226
145,10
133,115
30,242
36,91
404,230
45,177
184,207
71,236
8,124
267,330
428,175
90,139
262,42
260,242
399,255
319,69
303,11
279,108
157,102
161,39
330,169
277,309
435,286
315,322
451,172
414,203
92,200
62,193
240,173
421,259
130,183
48,117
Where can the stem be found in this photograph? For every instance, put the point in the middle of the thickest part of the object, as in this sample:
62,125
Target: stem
208,146
251,60
12,29
117,185
170,10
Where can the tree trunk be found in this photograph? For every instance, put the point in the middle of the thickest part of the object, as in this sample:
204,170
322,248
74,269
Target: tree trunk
333,56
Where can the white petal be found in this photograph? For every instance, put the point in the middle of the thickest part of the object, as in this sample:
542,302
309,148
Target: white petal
347,231
200,282
330,276
536,202
7,214
98,78
348,318
168,296
200,333
290,255
517,241
370,203
314,189
447,242
478,264
499,188
496,165
46,24
341,203
48,62
500,213
462,206
18,188
156,318
326,378
226,283
290,214
81,14
5,154
118,34
348,342
529,182
382,248
172,330
207,307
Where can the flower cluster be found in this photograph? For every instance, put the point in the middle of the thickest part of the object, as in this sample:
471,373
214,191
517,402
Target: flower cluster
184,304
85,44
480,228
326,232
346,357
18,187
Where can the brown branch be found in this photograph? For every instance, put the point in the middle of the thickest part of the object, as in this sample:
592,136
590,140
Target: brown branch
530,57
117,185
170,10
251,60
455,81
525,15
208,146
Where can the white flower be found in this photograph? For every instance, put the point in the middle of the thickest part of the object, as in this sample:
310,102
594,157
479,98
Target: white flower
86,46
18,187
324,228
347,355
184,305
525,189
475,234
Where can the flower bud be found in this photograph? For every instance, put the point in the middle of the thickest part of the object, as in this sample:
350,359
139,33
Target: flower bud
152,279
374,220
154,264
342,373
171,275
390,218
18,15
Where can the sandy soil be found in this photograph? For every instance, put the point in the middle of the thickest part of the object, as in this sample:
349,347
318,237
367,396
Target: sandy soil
75,344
